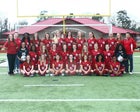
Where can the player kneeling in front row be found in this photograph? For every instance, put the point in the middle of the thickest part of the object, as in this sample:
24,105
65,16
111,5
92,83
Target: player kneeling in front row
28,67
100,69
85,67
115,66
57,67
71,66
42,66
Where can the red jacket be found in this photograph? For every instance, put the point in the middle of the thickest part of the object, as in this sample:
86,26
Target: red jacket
11,47
130,45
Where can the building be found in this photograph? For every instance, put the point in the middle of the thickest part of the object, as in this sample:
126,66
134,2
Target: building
86,26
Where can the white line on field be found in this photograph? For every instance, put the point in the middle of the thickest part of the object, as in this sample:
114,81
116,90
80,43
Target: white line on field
55,85
136,56
69,100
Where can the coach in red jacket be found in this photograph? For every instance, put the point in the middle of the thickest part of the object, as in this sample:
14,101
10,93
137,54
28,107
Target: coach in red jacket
130,45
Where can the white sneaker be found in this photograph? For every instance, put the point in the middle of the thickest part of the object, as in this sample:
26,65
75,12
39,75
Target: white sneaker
15,72
63,74
130,73
51,75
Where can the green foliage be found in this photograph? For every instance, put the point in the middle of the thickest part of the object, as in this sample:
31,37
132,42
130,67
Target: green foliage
42,16
124,21
97,17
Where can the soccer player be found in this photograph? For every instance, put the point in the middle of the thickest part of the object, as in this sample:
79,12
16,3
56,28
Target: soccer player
119,39
33,55
112,42
76,54
28,67
71,66
91,41
86,52
79,41
101,42
11,47
64,54
26,39
36,41
47,41
18,42
53,52
94,54
85,67
22,53
115,67
129,45
121,55
69,41
57,67
108,55
43,66
100,69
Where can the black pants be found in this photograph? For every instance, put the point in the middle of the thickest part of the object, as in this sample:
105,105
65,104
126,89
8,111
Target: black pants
129,63
11,62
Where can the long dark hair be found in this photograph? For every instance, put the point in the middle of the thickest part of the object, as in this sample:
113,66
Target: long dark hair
26,35
13,40
117,48
97,57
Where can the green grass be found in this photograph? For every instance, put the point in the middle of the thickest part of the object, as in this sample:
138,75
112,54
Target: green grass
127,86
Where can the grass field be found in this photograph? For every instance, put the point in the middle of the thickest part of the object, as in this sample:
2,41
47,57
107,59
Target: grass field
96,94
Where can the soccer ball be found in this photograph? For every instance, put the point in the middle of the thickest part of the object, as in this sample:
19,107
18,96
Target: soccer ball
120,58
23,58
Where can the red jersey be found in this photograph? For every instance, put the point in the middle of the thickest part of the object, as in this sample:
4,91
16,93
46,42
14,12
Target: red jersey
57,65
47,43
71,65
11,47
60,44
34,57
28,66
100,66
115,66
94,54
69,42
80,43
86,65
76,55
53,55
129,45
65,55
91,42
18,42
42,65
36,43
101,42
112,43
27,43
108,55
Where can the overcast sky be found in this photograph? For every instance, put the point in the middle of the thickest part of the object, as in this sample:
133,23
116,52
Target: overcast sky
8,8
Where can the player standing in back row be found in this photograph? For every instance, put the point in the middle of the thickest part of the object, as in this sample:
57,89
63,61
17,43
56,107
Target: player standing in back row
129,45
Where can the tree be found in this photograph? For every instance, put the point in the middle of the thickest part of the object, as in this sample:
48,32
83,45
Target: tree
42,16
97,17
123,19
3,26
